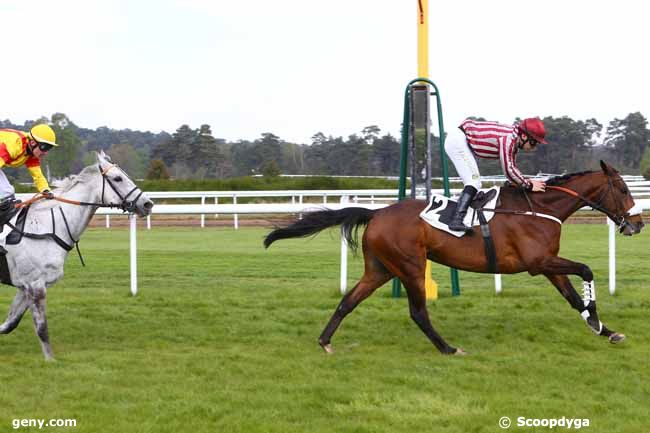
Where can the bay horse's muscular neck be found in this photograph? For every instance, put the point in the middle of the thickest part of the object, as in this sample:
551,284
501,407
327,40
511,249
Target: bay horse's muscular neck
589,184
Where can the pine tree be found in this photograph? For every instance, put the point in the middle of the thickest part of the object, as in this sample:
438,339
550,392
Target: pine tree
157,170
206,156
630,137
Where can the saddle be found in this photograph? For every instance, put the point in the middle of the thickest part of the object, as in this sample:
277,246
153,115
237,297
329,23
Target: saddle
441,209
5,276
482,198
16,235
13,238
7,210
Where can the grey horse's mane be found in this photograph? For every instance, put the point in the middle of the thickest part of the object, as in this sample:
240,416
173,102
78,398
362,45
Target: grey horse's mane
62,186
67,183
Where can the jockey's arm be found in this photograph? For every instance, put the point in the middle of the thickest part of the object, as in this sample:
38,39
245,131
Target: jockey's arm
513,173
515,176
9,150
5,155
39,180
510,169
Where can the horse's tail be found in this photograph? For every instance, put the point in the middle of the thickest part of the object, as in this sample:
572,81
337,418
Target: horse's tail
313,222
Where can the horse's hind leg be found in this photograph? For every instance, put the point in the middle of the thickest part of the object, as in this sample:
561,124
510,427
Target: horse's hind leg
375,276
418,308
588,311
16,311
37,308
411,271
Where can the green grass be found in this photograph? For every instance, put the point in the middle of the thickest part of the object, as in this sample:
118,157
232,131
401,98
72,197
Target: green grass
223,338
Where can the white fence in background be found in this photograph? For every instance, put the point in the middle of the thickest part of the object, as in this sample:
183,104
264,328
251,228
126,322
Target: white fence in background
297,208
295,198
497,178
639,189
371,199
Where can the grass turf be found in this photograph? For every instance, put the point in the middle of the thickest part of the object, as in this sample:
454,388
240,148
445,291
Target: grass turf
223,337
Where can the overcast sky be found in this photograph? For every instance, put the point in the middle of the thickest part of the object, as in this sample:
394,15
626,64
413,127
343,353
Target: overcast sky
297,67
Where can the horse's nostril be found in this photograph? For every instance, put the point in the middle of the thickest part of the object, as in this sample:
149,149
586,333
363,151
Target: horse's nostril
148,205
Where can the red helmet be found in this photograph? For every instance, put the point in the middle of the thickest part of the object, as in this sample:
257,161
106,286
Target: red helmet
534,128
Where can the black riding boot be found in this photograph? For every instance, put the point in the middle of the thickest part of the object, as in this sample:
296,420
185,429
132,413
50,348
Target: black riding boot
466,197
7,209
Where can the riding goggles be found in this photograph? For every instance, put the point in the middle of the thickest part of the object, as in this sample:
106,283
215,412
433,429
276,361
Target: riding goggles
44,147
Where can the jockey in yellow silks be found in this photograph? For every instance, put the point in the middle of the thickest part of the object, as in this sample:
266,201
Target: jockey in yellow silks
19,148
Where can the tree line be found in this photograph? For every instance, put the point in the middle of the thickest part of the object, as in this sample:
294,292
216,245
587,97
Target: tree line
196,153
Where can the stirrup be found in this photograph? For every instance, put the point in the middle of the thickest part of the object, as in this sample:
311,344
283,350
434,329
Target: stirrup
459,227
462,228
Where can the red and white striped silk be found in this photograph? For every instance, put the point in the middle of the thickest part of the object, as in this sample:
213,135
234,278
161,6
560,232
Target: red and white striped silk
495,141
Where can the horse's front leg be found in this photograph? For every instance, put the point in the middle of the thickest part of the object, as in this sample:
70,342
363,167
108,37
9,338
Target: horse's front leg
37,307
16,311
555,269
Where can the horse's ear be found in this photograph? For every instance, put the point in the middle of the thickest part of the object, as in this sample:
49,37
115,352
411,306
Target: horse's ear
605,167
102,157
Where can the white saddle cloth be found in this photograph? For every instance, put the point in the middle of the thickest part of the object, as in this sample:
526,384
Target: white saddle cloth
440,209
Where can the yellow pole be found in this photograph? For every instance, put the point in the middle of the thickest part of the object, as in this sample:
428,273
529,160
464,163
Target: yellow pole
430,285
423,72
423,38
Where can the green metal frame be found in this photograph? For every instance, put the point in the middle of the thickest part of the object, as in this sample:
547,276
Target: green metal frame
455,285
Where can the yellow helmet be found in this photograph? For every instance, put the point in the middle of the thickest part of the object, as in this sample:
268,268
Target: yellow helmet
42,133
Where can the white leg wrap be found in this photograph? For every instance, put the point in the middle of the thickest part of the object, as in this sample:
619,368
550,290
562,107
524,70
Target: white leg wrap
588,296
585,315
588,292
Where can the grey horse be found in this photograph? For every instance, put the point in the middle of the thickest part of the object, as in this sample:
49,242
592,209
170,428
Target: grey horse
36,264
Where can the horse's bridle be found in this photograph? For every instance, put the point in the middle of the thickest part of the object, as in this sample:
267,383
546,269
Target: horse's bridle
126,205
619,218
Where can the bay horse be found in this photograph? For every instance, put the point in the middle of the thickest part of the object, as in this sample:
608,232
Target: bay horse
51,229
397,243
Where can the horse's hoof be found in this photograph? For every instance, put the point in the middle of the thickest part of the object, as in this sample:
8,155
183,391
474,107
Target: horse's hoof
327,348
460,352
616,338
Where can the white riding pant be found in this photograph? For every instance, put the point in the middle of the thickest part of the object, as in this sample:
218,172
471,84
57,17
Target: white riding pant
6,188
460,154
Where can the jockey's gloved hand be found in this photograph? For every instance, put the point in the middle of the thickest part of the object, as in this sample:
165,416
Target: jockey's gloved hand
47,194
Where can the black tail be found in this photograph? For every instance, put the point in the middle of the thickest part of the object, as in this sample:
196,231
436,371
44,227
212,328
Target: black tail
313,222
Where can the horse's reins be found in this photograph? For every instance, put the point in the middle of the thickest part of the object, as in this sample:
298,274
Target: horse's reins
126,206
40,196
618,220
523,212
